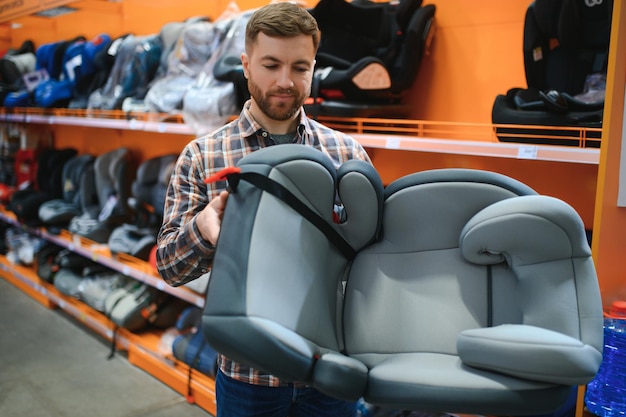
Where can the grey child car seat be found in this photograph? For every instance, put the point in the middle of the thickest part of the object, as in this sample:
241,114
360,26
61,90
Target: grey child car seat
453,290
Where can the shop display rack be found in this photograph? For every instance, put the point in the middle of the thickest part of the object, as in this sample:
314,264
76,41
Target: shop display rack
141,348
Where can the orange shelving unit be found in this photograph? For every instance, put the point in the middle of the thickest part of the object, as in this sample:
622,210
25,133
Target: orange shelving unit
475,55
142,349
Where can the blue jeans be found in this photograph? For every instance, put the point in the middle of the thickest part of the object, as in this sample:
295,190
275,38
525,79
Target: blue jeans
240,399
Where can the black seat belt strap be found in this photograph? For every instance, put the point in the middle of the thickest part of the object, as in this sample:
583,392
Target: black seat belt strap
282,193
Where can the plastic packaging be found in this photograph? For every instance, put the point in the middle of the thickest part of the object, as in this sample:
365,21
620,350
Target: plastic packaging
606,394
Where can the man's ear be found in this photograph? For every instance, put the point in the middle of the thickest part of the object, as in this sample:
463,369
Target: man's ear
245,64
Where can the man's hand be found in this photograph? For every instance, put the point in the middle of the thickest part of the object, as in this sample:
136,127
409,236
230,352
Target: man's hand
209,220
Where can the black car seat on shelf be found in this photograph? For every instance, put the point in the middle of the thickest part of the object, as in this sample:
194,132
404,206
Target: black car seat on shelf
59,211
368,57
147,200
25,203
14,65
113,173
565,49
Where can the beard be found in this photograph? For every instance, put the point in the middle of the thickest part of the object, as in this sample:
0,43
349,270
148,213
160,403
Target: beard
280,111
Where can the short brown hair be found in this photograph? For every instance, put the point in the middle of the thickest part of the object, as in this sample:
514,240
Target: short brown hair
282,20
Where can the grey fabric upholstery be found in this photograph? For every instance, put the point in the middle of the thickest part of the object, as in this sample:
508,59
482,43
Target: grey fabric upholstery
111,179
270,247
59,211
469,293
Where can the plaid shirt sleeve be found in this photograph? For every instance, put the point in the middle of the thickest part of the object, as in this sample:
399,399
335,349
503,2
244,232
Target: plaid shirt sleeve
182,253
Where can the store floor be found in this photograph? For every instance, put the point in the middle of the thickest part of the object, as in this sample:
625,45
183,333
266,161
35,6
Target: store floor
52,366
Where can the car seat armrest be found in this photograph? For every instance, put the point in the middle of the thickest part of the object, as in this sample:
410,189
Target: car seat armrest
340,376
529,352
525,230
262,344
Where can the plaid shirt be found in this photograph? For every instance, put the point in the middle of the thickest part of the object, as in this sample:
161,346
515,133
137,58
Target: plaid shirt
183,255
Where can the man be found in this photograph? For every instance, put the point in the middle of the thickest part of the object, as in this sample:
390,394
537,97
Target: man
278,62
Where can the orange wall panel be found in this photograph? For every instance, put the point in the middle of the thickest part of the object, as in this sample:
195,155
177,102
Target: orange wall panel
476,54
573,183
145,17
609,245
143,145
81,23
5,37
40,30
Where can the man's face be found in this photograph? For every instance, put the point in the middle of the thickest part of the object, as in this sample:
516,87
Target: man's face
279,73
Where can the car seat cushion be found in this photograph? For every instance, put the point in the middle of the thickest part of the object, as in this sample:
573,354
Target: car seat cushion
444,379
530,352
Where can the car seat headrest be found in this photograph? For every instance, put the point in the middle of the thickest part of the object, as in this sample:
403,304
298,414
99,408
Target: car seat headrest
405,11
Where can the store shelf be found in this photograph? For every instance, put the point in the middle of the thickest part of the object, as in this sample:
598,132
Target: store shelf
195,386
142,349
45,293
408,135
126,264
482,148
103,119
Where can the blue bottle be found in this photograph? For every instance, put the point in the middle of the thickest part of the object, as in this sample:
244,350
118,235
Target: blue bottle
606,394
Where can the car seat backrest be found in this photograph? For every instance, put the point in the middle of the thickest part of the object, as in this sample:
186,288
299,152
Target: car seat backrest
370,51
50,56
412,40
88,195
150,185
50,170
262,227
352,30
113,174
564,42
418,255
60,211
73,172
25,203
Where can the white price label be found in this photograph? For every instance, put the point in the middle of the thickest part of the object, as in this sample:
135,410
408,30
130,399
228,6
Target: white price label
527,152
393,143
